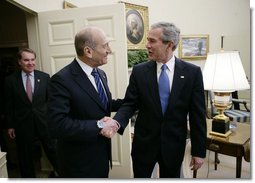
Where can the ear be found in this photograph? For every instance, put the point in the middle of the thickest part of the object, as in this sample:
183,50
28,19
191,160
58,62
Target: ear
170,45
88,51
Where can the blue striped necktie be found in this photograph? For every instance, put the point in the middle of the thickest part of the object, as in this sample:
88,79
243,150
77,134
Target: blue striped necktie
100,88
164,88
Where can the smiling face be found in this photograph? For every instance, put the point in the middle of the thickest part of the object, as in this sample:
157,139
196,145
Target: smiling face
27,62
157,50
101,50
92,46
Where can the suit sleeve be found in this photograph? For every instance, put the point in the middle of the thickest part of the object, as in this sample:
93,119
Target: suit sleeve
197,119
116,104
10,123
129,105
63,123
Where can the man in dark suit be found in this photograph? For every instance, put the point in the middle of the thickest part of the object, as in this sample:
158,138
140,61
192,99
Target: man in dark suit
76,110
26,113
161,126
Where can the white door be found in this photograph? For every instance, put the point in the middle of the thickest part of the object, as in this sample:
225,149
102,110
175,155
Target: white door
56,36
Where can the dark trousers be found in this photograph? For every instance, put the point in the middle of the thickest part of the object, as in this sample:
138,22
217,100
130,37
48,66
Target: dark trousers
143,169
26,155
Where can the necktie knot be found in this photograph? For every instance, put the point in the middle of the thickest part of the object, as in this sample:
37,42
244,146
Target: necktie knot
94,73
163,67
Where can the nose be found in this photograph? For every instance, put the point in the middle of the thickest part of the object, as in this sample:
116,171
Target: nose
147,45
109,50
30,61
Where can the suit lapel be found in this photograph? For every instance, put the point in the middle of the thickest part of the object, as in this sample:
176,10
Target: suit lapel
151,77
178,83
20,86
37,83
83,81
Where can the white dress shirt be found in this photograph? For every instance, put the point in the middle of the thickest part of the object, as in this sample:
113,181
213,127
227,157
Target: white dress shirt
170,70
87,69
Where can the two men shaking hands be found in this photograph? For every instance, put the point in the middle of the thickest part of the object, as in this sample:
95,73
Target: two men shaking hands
108,126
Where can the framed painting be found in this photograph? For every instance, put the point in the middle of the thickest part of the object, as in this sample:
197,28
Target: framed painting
193,46
136,25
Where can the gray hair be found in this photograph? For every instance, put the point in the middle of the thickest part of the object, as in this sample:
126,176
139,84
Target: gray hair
84,38
170,32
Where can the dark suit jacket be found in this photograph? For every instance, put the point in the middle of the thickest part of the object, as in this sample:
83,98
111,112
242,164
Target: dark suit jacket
153,131
20,112
74,109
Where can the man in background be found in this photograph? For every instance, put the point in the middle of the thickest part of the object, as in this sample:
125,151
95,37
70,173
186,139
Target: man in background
26,112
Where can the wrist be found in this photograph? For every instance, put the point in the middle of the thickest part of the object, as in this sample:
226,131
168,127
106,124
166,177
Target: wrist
100,125
117,124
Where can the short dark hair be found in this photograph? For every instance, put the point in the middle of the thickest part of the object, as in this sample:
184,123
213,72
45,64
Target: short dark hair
19,54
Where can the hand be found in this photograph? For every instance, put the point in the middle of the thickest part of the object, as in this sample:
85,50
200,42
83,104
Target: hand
196,163
106,118
11,133
110,127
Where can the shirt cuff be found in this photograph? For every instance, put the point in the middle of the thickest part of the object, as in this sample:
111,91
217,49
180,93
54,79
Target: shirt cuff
118,124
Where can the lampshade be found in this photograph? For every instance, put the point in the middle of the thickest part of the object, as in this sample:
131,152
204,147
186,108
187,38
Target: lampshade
223,72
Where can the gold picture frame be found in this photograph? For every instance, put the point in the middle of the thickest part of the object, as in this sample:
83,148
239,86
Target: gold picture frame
193,47
136,25
67,5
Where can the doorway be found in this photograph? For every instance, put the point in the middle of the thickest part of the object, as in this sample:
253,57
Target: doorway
13,37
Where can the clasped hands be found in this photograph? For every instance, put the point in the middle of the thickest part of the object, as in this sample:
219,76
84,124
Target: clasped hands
111,127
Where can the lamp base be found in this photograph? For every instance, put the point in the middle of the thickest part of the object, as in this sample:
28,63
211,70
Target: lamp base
221,135
220,124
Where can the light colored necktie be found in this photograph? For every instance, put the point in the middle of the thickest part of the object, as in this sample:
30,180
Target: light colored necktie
164,88
100,88
29,88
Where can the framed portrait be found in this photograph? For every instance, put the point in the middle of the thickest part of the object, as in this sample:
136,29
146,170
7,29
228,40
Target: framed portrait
136,25
193,46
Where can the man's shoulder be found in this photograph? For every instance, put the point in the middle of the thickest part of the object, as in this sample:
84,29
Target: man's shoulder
142,69
146,63
183,63
67,71
12,75
41,73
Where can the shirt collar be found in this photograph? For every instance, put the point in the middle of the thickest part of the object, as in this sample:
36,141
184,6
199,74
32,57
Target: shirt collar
86,68
170,64
25,74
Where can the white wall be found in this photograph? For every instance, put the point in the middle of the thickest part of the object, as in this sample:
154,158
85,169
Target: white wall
230,18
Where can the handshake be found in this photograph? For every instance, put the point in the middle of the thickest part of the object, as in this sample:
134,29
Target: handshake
110,128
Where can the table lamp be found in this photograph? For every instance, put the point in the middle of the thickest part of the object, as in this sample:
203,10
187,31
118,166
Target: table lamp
223,73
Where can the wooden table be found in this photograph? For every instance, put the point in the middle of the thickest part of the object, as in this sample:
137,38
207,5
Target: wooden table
233,145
